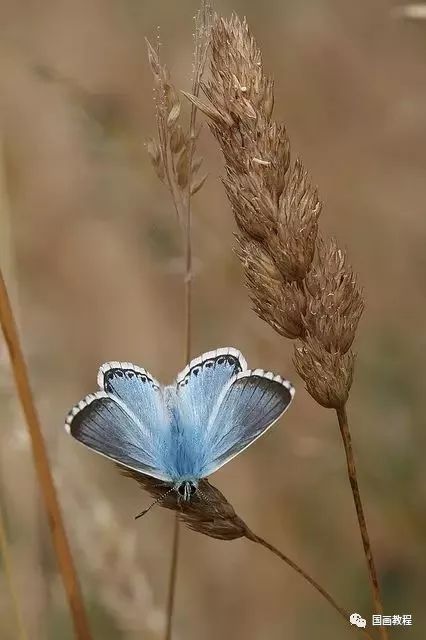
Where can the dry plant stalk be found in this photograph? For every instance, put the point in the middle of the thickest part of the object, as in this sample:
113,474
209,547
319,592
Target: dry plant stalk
299,282
173,158
42,466
208,512
7,262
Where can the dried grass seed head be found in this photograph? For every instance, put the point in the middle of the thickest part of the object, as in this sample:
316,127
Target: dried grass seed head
281,304
171,155
174,161
268,203
238,81
294,243
208,512
335,300
254,210
298,283
328,376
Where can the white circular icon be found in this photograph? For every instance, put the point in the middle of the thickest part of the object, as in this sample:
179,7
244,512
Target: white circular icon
356,619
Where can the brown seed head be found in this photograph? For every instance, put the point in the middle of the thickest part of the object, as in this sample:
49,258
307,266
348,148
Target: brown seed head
254,210
328,376
294,243
299,284
207,512
281,304
239,83
335,301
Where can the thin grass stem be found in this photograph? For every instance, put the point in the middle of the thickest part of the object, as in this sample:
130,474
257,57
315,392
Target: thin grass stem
173,577
187,357
352,473
42,466
345,614
173,159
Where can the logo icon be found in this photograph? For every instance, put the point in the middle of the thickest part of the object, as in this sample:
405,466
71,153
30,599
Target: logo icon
356,619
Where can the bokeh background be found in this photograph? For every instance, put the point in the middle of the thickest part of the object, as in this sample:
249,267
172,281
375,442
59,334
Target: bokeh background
92,254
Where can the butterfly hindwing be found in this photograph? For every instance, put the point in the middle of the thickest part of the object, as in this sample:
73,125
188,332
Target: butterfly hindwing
249,405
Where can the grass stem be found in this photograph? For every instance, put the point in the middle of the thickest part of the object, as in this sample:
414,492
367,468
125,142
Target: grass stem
352,473
173,577
41,462
187,357
345,614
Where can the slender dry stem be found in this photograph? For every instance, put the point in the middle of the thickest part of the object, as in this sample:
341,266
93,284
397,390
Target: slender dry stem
41,462
343,612
172,578
352,473
187,356
187,349
7,262
173,158
8,572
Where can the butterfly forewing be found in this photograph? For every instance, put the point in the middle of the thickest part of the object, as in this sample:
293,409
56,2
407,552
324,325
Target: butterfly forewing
138,390
127,422
253,401
200,384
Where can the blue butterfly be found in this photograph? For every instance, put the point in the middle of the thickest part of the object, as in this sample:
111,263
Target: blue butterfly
184,432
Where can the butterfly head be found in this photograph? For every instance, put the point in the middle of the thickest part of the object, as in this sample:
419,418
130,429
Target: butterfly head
186,489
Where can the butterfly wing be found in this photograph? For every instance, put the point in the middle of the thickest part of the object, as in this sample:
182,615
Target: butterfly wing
246,408
191,401
127,421
200,383
137,389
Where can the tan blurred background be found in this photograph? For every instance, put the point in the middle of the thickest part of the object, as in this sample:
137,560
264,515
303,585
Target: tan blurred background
92,254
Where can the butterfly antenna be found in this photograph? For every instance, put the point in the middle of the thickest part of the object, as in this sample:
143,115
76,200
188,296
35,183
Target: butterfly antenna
145,511
203,495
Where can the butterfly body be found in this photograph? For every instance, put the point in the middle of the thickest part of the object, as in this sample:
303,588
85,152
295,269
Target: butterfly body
186,489
185,431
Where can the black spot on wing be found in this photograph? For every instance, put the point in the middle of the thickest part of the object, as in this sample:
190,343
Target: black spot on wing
126,374
229,359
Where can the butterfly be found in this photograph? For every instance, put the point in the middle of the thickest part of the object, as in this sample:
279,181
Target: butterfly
183,432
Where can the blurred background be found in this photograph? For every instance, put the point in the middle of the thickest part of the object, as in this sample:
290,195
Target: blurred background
92,254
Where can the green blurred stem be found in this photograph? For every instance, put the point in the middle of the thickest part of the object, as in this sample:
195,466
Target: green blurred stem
352,473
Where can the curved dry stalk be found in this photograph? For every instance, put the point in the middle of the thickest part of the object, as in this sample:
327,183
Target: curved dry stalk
209,513
44,474
343,612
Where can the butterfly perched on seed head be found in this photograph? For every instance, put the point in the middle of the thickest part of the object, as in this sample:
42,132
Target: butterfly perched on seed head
184,432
